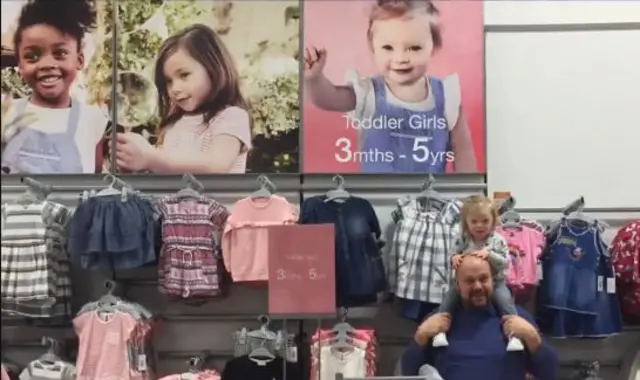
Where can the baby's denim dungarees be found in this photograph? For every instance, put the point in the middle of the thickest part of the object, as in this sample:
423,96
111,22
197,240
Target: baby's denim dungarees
408,144
33,151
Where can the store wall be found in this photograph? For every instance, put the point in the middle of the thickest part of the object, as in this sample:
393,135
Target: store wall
562,115
189,330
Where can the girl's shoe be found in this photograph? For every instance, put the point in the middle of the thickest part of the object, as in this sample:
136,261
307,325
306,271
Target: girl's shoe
514,344
440,340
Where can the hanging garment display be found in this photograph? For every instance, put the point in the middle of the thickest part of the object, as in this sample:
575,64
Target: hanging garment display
190,265
113,339
343,350
113,228
577,295
49,366
625,253
360,274
526,241
426,228
196,371
263,354
248,341
245,243
36,287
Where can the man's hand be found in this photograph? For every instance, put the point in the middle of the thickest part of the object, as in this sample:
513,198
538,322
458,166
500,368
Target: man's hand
483,254
518,327
456,260
432,326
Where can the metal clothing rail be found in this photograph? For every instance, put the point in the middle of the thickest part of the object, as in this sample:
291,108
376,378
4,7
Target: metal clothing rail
340,376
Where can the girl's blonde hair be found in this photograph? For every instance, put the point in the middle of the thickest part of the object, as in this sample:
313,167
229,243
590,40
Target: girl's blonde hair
475,204
388,9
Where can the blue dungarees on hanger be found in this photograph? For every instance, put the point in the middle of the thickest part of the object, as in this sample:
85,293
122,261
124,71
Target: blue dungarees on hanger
574,291
427,129
37,152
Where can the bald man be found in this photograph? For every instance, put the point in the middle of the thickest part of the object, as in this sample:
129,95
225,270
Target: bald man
477,344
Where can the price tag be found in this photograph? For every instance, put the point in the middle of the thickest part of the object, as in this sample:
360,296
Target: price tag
611,285
142,362
539,272
600,284
292,354
301,270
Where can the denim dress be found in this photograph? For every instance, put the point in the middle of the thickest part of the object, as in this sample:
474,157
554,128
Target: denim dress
360,273
418,144
573,297
37,152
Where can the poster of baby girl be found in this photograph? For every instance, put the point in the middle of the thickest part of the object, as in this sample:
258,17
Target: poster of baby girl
393,86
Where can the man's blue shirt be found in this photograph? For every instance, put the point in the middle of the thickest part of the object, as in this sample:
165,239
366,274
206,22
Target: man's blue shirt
477,350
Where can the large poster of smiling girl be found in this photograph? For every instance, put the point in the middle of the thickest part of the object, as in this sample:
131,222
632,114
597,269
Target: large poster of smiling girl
54,106
208,87
393,87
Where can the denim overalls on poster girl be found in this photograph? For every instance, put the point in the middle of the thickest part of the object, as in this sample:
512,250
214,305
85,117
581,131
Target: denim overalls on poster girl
33,151
418,144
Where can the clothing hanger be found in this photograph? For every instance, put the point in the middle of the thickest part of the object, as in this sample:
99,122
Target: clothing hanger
262,355
193,188
581,219
342,329
195,364
267,188
49,357
567,210
263,333
509,217
429,195
506,205
108,303
338,194
114,183
36,191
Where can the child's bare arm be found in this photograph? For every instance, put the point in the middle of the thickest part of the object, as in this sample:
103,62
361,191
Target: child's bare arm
329,97
318,87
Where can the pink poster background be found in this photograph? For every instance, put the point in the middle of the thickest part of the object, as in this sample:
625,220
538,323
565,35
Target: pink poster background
340,27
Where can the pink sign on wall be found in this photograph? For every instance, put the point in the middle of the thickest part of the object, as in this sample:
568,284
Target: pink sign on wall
302,270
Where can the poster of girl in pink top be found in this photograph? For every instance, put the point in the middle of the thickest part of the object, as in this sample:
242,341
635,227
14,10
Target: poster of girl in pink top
207,87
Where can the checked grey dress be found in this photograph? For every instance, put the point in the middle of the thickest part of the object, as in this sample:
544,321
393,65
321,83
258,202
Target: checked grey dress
35,283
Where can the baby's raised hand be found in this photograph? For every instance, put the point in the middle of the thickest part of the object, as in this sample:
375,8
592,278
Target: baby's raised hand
314,61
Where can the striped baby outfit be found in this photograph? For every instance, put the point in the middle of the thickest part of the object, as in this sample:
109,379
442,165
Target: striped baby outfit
38,370
35,270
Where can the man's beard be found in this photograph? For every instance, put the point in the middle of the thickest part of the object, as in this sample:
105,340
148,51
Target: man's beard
478,297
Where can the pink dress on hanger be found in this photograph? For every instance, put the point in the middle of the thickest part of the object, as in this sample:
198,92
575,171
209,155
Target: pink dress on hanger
525,246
